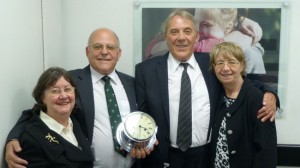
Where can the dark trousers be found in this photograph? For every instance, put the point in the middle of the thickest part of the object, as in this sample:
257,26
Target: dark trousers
197,157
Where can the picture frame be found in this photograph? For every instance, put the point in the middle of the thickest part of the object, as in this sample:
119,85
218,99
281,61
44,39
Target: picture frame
271,16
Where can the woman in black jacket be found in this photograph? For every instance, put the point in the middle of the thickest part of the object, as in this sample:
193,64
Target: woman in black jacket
239,139
51,137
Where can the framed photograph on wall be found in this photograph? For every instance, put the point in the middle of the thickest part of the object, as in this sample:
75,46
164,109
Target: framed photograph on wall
264,47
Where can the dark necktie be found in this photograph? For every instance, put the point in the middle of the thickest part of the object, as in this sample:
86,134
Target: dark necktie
184,129
114,113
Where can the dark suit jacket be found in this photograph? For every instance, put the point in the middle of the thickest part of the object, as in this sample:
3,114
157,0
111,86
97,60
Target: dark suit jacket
152,97
85,100
41,152
251,143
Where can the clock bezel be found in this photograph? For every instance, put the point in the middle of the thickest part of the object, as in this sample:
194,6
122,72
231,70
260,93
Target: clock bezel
128,142
130,134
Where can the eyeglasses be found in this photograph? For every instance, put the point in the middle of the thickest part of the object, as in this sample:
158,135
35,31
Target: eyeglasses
230,63
100,47
57,91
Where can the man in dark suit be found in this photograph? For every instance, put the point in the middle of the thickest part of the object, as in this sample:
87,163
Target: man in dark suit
158,94
103,52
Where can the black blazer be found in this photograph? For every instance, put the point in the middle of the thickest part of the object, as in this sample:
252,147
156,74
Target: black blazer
152,97
85,100
251,143
40,151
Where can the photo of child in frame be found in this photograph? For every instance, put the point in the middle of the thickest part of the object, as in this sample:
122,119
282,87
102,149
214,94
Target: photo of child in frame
260,43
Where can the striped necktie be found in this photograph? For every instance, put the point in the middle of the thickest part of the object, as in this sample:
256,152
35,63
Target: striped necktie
184,129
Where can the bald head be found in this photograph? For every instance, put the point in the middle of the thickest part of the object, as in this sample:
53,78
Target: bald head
103,50
100,30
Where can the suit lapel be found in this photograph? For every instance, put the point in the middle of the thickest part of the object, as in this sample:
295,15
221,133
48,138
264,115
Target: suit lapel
162,74
54,145
212,85
50,141
83,143
129,87
209,78
86,98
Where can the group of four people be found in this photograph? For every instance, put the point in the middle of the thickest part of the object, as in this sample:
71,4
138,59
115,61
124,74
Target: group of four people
226,131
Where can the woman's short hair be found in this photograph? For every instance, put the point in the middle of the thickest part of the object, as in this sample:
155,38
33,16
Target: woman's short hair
228,50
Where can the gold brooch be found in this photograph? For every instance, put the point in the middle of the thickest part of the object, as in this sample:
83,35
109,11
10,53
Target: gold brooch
51,138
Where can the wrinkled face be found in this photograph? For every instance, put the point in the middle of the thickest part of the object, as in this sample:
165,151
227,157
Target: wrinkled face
209,28
181,37
59,99
103,51
228,70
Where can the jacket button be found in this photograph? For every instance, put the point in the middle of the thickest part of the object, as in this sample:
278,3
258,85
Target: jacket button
229,132
233,152
228,114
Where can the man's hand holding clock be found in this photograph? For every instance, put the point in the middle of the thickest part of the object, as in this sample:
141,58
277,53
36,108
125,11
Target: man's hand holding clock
140,152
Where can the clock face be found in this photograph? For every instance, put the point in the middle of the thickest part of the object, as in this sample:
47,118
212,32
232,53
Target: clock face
140,126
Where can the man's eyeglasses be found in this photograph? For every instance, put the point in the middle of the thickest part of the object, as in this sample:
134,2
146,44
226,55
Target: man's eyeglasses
57,91
230,63
100,47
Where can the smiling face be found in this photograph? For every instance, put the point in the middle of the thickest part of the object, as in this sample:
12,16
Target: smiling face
59,99
228,69
227,60
181,37
103,51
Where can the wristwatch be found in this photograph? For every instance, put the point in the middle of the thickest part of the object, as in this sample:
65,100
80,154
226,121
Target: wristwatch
138,130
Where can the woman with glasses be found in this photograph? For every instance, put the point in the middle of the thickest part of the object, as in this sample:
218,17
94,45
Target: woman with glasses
52,138
239,139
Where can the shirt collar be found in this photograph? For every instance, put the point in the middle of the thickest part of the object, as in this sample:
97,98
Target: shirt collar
53,124
96,76
174,64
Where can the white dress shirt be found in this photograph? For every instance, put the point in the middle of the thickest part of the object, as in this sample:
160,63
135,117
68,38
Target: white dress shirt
102,145
200,100
65,132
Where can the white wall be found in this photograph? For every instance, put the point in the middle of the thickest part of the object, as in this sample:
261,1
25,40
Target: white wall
21,58
288,128
77,19
66,27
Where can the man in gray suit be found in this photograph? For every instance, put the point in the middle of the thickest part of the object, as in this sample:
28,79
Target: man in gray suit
103,52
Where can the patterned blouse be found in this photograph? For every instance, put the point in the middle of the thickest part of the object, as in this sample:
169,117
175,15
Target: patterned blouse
222,154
